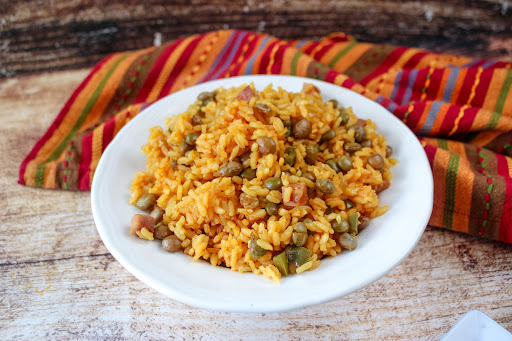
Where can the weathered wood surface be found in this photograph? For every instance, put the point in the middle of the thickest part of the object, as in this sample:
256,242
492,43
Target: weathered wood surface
59,282
38,35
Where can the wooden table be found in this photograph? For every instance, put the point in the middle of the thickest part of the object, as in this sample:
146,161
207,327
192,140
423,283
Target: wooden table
60,282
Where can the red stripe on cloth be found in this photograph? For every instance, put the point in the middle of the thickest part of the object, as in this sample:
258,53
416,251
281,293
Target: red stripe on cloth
331,76
108,133
435,82
384,67
467,85
481,89
320,53
505,233
248,54
84,170
265,57
419,84
467,119
60,117
415,115
411,63
431,153
178,67
449,119
311,46
278,60
479,63
499,65
400,111
155,72
348,83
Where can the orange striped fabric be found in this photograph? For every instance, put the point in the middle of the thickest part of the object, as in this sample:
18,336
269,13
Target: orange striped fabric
460,108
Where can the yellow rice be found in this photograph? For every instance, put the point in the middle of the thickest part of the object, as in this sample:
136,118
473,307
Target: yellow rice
203,210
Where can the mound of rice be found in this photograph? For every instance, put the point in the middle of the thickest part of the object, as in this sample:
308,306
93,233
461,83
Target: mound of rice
202,206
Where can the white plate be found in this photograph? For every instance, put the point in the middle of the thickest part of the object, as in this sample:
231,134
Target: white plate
381,247
476,326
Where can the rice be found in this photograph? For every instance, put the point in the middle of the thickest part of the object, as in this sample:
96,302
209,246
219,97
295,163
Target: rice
221,215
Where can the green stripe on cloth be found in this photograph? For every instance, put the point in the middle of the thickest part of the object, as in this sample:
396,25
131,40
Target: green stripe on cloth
83,115
295,60
500,102
451,183
343,52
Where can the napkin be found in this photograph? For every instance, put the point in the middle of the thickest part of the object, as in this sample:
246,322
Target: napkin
460,108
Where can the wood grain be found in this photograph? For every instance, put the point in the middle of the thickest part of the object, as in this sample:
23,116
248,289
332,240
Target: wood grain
39,35
59,282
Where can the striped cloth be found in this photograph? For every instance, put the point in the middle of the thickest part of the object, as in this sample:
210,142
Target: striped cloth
460,108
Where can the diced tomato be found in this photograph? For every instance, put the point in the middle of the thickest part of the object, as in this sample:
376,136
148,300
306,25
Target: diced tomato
310,88
299,195
139,221
361,122
246,94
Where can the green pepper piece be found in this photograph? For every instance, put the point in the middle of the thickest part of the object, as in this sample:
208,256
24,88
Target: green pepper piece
299,255
353,222
281,263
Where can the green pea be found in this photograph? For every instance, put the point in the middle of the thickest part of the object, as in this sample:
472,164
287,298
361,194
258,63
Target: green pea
300,227
325,186
352,147
231,168
310,176
340,227
334,103
344,117
329,210
363,223
353,222
162,231
197,120
273,183
366,143
347,241
263,109
333,165
299,239
345,163
245,158
191,138
248,174
359,132
256,250
376,161
271,208
145,201
328,135
349,204
185,147
307,221
281,263
311,154
288,124
291,156
298,255
389,151
301,129
205,96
